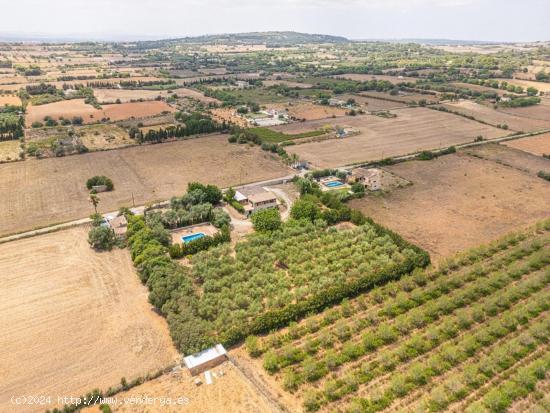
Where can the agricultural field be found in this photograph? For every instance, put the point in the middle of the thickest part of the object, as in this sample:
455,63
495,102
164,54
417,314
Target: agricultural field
9,150
413,130
535,113
537,145
230,392
66,109
49,191
311,111
465,336
129,95
9,100
404,97
73,319
510,157
372,104
470,201
123,111
509,117
365,77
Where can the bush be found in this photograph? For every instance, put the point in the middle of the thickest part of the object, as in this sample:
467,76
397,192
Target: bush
358,188
544,175
266,220
101,238
305,209
100,180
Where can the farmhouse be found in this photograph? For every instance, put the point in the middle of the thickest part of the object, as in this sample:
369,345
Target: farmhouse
205,360
370,177
119,225
255,199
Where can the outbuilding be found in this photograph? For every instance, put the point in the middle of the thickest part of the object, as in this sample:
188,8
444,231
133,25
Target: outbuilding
205,360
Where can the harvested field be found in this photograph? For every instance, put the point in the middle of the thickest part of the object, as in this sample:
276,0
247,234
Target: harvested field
136,110
167,118
479,88
310,111
457,202
229,392
10,100
289,83
496,117
366,77
511,157
39,193
535,113
73,319
66,109
129,95
373,104
193,94
124,95
403,97
9,150
537,145
413,130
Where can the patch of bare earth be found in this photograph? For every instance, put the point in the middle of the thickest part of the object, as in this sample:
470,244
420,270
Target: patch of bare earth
458,201
43,192
537,145
229,392
413,130
73,320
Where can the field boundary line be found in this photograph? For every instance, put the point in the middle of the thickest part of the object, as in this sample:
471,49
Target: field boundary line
275,405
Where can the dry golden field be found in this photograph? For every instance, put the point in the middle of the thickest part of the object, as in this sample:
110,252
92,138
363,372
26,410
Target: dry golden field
135,110
229,392
73,320
414,129
9,100
9,150
48,191
537,145
515,121
66,109
458,201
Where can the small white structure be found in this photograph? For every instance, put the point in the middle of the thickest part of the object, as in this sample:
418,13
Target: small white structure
242,84
336,102
205,360
371,177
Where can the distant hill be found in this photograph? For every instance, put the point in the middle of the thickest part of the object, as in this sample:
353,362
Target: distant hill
274,39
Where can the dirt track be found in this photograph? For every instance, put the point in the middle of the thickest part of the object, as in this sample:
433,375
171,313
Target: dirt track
49,191
73,319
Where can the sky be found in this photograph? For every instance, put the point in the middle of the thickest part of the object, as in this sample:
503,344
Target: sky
489,20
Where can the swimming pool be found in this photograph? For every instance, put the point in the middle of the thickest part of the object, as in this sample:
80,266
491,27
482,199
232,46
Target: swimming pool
333,184
193,237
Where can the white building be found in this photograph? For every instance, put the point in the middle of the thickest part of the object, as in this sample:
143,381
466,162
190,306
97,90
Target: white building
205,360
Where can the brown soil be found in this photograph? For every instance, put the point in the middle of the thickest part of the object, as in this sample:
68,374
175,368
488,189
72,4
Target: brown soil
536,145
457,202
10,100
73,320
414,129
136,110
44,192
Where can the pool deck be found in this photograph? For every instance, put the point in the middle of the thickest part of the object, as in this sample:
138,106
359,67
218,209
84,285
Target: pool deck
206,228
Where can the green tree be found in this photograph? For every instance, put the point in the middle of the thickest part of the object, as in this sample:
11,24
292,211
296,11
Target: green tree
101,238
305,209
266,220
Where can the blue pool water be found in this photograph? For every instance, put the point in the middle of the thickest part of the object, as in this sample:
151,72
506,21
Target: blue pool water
192,237
333,184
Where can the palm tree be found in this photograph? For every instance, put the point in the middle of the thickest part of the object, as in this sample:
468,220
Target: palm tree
94,199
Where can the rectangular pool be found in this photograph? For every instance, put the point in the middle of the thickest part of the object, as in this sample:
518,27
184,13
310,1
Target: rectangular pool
333,184
192,237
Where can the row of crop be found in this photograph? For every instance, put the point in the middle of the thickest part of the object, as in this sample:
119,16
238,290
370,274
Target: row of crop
398,294
426,343
518,386
417,318
497,359
418,344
